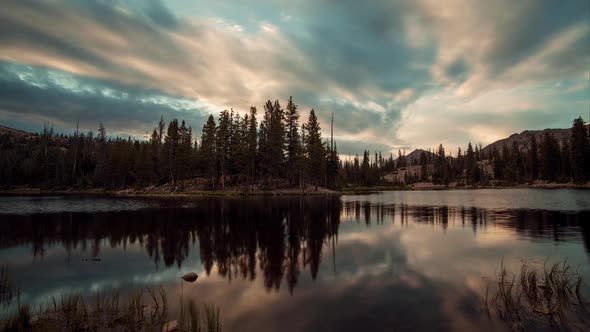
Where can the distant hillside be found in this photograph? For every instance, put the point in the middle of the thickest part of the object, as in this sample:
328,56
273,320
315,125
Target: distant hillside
414,156
12,131
524,138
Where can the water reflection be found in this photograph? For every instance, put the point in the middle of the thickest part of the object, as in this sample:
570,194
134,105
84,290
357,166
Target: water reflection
284,236
350,263
535,224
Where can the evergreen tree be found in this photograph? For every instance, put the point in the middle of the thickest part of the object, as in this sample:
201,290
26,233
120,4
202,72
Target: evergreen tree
366,169
440,174
223,144
185,155
470,172
423,166
207,151
251,142
533,158
144,165
549,161
333,167
497,165
517,162
242,161
160,129
155,154
566,168
276,140
314,150
293,145
271,140
579,152
171,151
401,159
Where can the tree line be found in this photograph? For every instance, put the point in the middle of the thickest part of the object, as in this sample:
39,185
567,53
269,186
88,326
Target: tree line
241,151
234,150
541,158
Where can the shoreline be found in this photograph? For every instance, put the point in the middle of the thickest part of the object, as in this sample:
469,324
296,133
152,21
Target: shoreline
141,193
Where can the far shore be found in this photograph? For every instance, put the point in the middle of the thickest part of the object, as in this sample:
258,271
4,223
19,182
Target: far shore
233,192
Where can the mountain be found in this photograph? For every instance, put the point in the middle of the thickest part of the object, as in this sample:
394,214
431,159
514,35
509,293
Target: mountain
12,131
414,156
524,138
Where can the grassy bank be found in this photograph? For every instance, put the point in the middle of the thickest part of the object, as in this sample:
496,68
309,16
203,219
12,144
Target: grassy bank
146,310
6,287
150,193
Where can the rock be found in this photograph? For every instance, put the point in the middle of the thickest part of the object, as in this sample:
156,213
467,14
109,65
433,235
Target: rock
171,326
190,277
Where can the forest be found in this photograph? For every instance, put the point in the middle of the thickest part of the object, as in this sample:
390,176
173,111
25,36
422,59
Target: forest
242,152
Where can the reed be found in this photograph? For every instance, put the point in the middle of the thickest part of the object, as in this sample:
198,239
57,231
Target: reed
145,310
6,287
549,296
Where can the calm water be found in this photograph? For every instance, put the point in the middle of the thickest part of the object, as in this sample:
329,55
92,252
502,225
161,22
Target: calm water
390,261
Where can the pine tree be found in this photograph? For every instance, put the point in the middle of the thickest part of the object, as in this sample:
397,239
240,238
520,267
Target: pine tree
293,144
155,154
516,169
497,165
333,167
276,140
401,159
171,151
207,151
566,168
185,152
533,158
470,165
333,162
366,169
102,171
549,159
314,150
251,142
440,174
235,140
160,128
423,166
579,152
223,145
241,152
144,165
102,133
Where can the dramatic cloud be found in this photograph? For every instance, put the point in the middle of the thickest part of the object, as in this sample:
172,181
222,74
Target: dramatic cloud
395,73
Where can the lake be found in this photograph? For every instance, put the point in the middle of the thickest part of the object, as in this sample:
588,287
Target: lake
402,260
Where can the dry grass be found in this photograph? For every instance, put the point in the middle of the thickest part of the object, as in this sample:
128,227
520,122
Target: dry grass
142,311
549,296
194,320
6,288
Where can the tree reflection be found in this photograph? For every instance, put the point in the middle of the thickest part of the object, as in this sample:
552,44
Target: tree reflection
554,225
281,235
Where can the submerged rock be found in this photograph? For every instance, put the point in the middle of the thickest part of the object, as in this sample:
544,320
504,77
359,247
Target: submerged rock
190,277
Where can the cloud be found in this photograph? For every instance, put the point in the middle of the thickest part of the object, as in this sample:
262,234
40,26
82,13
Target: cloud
31,96
370,65
489,116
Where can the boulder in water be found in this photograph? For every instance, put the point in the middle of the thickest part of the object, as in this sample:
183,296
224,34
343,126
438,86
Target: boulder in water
190,277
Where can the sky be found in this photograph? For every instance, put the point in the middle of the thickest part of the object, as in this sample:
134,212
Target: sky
395,74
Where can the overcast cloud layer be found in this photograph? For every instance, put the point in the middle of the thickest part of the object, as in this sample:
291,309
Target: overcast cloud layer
395,73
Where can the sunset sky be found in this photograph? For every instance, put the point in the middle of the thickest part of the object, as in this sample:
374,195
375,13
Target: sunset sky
396,74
